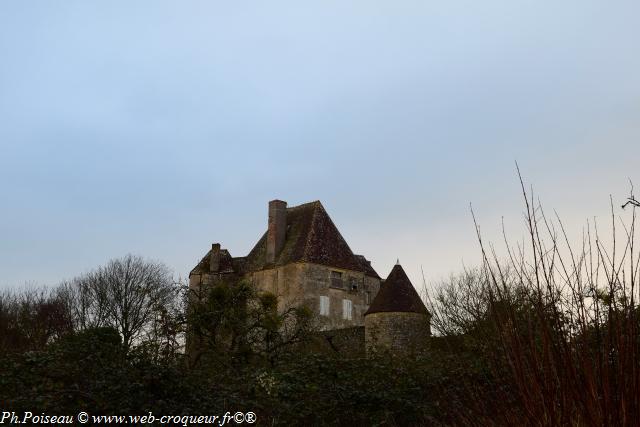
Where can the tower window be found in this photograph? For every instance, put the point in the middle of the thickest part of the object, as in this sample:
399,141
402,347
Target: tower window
324,305
347,307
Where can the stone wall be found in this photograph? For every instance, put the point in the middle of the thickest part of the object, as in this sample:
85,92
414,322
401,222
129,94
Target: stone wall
202,281
284,282
400,333
305,283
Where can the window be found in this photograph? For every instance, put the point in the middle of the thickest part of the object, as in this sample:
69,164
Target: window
336,279
347,306
353,284
324,306
367,297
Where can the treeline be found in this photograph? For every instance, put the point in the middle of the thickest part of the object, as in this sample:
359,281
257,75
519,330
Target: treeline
545,335
136,297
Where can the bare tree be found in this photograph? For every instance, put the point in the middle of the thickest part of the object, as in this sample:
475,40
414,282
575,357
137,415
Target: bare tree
572,349
457,304
126,294
164,337
31,318
81,301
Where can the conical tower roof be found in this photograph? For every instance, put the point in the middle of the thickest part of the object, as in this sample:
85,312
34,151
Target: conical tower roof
397,294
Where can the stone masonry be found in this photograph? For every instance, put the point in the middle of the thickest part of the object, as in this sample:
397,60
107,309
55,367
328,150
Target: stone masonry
304,260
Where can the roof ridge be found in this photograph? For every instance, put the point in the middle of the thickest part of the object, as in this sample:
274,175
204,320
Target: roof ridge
314,203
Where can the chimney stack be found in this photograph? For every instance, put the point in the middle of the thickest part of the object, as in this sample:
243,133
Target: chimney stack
214,260
277,229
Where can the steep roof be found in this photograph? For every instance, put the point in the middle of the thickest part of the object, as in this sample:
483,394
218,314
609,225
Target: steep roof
227,263
397,294
311,236
365,265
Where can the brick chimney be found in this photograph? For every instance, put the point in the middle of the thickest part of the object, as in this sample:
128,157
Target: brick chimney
277,229
214,259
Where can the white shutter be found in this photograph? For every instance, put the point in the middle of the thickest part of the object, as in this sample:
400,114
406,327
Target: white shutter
346,309
324,305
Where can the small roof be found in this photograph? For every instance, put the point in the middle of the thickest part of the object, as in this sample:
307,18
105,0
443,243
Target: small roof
397,294
227,264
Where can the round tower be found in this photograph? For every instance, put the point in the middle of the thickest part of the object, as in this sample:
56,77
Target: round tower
397,320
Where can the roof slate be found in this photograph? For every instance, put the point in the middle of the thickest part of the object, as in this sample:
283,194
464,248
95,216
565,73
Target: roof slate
397,294
227,263
311,237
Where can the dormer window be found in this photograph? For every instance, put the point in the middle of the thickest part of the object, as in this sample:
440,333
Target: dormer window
336,279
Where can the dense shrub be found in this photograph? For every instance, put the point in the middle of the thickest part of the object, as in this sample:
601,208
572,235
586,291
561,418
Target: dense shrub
91,371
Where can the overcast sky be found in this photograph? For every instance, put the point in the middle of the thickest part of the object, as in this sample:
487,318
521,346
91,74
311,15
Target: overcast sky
160,127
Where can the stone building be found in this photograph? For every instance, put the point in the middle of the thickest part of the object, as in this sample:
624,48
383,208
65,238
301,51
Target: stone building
397,319
304,260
